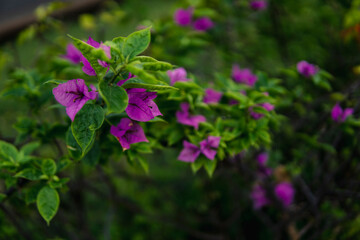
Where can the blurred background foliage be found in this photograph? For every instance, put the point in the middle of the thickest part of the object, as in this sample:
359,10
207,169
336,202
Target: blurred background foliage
171,202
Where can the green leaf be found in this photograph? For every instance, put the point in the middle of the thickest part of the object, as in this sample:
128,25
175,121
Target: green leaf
136,43
30,174
27,149
195,166
55,81
210,166
144,59
139,83
48,202
2,197
137,69
93,156
115,97
144,164
157,66
8,151
32,192
71,144
86,122
48,167
87,51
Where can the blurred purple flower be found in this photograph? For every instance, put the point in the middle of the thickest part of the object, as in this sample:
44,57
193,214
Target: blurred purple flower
262,158
212,96
87,68
121,82
185,118
177,75
141,106
128,132
208,146
267,106
243,75
190,152
203,24
258,196
72,54
258,5
285,193
340,115
183,17
306,69
263,170
73,95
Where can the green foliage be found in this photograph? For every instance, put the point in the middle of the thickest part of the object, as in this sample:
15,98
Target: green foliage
48,202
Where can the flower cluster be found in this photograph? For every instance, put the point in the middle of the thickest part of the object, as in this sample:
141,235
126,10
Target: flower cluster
258,5
244,76
283,191
340,115
183,17
207,147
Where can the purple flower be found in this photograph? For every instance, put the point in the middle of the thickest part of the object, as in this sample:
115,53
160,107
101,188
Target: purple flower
73,95
185,118
87,68
190,152
306,69
183,17
72,54
258,5
263,170
141,106
203,24
340,115
258,196
128,132
212,96
177,75
262,158
243,75
285,193
267,106
208,146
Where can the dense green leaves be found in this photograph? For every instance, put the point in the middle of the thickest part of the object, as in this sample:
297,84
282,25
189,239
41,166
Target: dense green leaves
86,122
115,97
48,203
30,174
8,152
48,167
139,83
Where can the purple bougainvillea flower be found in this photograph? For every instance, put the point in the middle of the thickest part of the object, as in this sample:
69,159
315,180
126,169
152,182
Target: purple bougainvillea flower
307,69
285,193
258,5
233,102
258,196
73,95
244,76
212,96
177,75
262,158
128,132
185,118
208,146
190,152
72,54
203,24
183,17
141,106
340,115
87,68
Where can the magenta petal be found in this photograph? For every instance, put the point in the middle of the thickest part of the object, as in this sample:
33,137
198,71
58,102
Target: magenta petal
177,75
258,5
268,106
258,195
138,110
285,193
66,93
190,152
262,158
336,112
212,96
203,24
347,112
87,68
72,54
208,146
306,69
128,132
183,17
73,109
93,43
